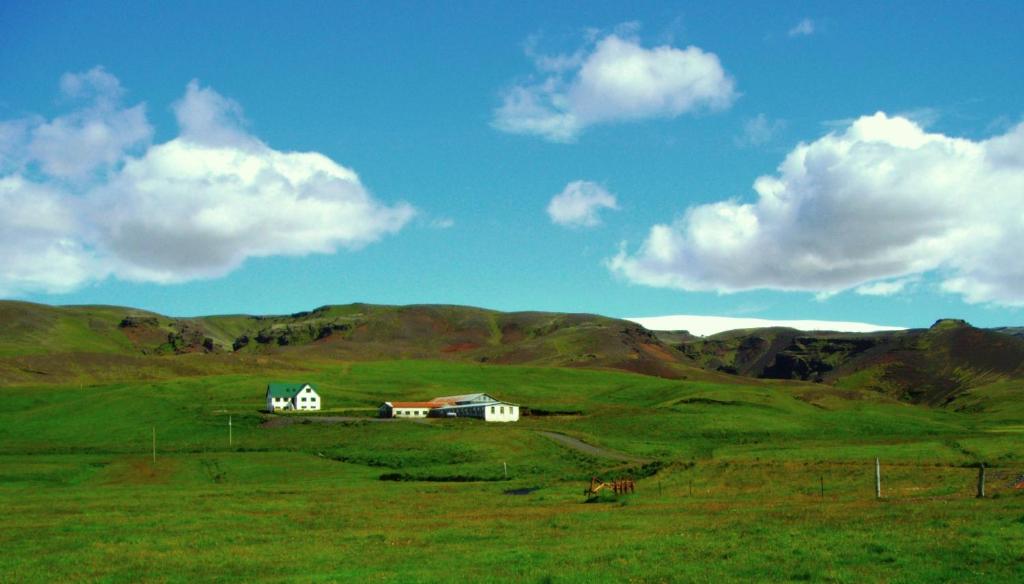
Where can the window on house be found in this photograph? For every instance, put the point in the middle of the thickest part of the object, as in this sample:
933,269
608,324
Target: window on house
492,409
502,410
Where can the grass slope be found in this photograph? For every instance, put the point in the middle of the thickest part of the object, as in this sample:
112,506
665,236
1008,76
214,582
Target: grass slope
735,493
43,344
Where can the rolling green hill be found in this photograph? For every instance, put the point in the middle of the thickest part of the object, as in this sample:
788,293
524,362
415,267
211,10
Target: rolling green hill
40,344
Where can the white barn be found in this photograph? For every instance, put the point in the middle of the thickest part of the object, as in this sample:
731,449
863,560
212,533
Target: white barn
292,396
471,405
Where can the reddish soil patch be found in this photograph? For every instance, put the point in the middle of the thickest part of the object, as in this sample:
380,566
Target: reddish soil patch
658,352
141,471
512,333
460,347
144,336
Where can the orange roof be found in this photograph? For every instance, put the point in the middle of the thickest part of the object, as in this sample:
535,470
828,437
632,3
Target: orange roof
415,404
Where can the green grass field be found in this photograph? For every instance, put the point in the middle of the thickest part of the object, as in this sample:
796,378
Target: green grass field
761,482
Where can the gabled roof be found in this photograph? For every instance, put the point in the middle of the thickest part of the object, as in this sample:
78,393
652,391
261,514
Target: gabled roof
288,390
428,404
446,407
469,397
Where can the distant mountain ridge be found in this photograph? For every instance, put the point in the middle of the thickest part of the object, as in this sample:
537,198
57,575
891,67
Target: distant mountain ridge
931,366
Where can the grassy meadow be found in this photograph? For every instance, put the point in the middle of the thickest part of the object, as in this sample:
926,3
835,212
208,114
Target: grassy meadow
757,482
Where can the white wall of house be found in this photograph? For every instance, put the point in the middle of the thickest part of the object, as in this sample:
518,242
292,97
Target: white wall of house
397,412
307,399
501,412
274,403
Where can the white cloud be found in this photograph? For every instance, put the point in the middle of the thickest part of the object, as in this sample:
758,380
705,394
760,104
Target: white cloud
882,200
616,80
803,28
709,325
579,203
886,287
14,136
759,130
206,117
39,235
96,136
195,207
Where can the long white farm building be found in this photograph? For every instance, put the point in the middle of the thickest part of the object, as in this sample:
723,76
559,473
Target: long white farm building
471,405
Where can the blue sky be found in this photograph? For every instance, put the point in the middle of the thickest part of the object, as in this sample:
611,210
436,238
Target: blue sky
464,124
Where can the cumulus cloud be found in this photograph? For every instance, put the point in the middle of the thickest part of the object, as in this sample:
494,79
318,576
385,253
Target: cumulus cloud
195,207
39,235
206,117
614,80
579,203
803,28
882,200
96,136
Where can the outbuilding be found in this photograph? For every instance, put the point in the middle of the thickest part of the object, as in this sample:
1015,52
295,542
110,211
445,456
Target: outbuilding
406,409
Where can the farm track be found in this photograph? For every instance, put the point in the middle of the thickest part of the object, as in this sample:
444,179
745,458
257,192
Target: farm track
581,446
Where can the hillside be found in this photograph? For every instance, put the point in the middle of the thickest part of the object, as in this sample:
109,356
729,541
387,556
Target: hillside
41,343
931,366
90,471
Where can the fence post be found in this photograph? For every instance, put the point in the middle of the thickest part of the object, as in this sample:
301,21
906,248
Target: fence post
878,479
981,481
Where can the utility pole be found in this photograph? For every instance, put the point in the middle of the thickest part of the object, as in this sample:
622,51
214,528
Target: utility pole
878,479
154,444
505,465
230,438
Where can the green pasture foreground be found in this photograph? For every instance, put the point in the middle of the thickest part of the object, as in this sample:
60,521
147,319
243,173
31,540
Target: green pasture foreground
736,483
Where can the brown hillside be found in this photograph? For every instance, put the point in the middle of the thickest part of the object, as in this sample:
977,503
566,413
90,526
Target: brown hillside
43,344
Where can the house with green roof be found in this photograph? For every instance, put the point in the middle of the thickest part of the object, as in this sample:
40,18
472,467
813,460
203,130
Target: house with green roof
292,396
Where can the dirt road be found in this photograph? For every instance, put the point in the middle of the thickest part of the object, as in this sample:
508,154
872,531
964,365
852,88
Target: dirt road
581,446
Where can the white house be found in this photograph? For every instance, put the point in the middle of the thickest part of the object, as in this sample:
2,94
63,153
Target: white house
292,396
472,405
